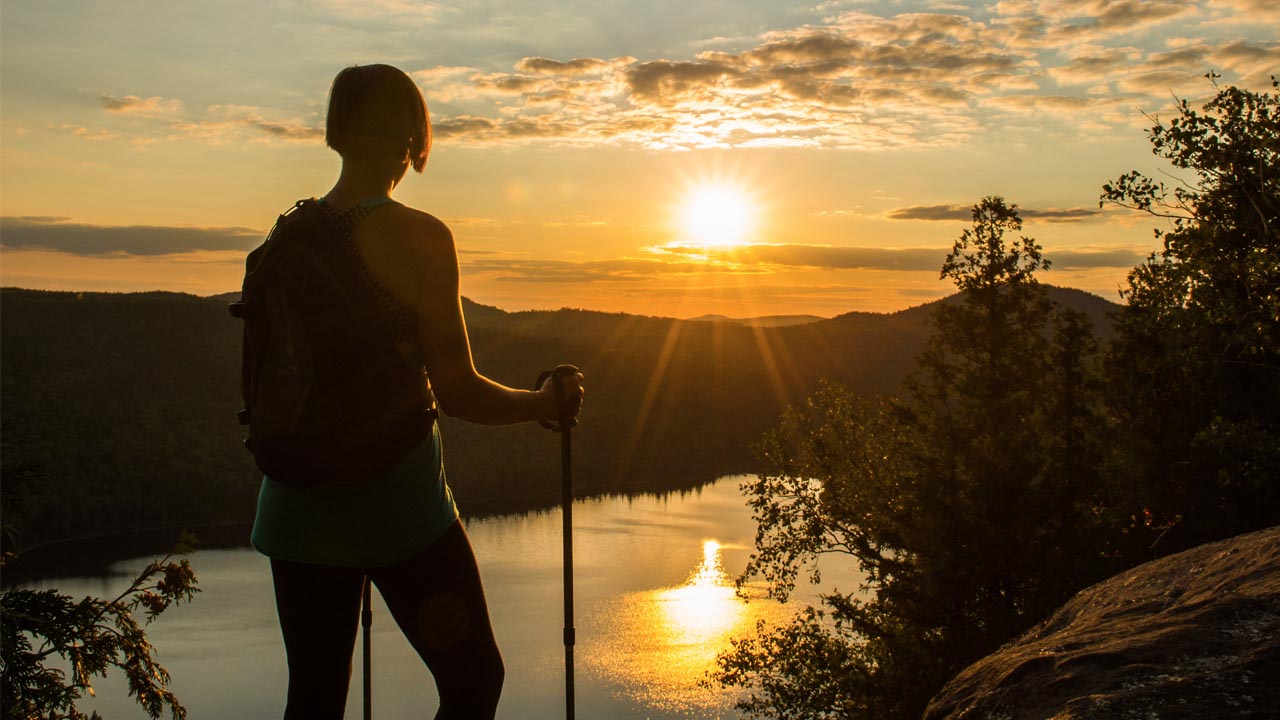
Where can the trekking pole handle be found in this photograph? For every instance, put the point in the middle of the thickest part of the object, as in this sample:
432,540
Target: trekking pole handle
567,420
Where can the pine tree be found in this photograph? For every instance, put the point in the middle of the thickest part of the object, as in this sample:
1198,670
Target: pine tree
968,504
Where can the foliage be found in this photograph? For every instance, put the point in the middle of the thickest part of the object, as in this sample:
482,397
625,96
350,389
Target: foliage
1195,366
21,477
784,669
92,635
970,506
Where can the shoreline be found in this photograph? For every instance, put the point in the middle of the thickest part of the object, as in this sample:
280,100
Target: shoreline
93,554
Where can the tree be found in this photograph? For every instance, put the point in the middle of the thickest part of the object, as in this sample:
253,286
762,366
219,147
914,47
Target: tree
958,502
1195,366
20,475
92,635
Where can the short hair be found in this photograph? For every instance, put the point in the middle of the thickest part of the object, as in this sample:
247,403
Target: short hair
378,109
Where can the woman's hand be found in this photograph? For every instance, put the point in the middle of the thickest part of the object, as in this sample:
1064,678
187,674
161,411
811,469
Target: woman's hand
566,403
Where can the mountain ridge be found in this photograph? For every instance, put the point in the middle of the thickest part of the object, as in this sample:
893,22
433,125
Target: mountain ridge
129,401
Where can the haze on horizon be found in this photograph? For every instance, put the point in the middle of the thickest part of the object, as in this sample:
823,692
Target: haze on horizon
681,159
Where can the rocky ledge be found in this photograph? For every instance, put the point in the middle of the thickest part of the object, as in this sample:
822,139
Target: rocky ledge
1193,635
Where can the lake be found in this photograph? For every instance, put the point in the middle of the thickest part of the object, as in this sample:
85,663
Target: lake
655,604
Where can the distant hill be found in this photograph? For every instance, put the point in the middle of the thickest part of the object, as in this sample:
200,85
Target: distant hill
130,400
763,321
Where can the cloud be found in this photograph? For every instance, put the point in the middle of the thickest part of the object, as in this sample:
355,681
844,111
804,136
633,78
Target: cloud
857,80
1082,20
852,80
933,212
380,10
1251,11
220,124
830,257
463,126
287,130
63,235
613,270
1090,64
666,83
965,213
83,132
146,107
907,83
577,66
1180,70
684,260
225,124
1084,259
814,256
1057,215
1253,63
431,76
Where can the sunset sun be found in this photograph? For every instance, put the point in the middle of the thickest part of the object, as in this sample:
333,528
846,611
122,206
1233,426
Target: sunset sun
717,215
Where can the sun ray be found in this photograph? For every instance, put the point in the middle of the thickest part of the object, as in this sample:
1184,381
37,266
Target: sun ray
656,379
776,382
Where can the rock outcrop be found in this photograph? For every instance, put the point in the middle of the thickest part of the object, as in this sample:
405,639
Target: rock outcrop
1193,635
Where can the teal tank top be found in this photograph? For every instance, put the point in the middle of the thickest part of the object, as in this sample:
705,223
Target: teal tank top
364,524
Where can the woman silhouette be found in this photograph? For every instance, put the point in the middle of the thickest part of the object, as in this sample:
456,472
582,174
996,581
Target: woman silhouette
401,528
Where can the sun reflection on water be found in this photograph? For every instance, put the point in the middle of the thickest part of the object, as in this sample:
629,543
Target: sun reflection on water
658,646
705,606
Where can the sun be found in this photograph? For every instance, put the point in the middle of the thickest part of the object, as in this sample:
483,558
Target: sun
717,215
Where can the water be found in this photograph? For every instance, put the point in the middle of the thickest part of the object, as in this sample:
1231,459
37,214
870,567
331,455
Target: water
655,605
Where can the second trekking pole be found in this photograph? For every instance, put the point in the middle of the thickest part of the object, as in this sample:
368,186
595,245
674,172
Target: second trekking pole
366,619
563,426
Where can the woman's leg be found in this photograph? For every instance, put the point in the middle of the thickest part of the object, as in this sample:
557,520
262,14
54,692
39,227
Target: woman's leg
437,600
319,609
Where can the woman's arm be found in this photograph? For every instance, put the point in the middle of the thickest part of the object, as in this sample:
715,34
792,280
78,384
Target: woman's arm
462,391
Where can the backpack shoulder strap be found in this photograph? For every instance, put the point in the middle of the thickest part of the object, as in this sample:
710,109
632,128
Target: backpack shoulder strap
309,212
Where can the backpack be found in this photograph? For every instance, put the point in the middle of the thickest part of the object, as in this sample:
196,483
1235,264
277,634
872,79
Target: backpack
327,395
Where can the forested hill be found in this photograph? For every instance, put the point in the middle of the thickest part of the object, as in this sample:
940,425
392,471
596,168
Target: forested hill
119,410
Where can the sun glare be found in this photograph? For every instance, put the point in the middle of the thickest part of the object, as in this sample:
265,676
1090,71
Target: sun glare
717,215
661,643
706,605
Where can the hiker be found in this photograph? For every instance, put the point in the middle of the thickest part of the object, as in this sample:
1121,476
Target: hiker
401,527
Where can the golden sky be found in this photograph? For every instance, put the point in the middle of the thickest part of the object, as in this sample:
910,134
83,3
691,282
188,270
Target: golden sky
666,158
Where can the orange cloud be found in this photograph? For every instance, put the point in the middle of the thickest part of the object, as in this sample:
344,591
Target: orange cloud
855,81
965,213
146,107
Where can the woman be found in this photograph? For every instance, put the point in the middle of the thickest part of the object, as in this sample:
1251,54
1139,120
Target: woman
401,528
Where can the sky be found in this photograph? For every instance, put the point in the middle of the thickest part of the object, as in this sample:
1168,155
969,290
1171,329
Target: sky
663,158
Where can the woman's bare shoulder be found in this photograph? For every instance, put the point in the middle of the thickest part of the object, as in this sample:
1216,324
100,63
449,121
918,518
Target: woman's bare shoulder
402,245
418,226
407,229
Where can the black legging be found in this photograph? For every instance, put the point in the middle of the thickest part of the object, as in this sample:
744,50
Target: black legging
435,598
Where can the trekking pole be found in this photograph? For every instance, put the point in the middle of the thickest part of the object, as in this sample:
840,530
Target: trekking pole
563,426
366,619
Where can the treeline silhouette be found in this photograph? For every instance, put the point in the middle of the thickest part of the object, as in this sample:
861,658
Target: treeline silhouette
127,403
